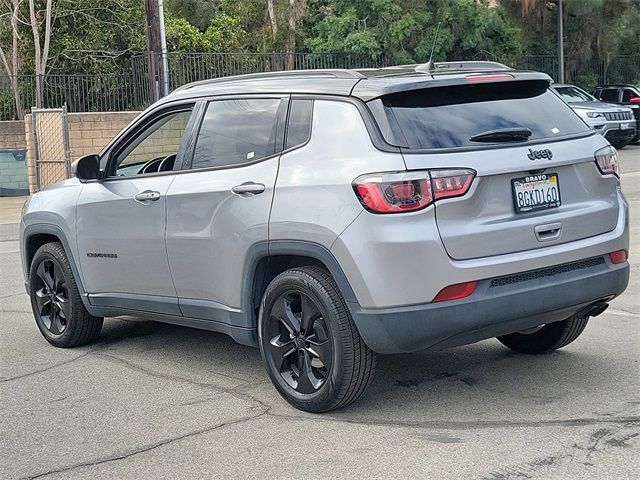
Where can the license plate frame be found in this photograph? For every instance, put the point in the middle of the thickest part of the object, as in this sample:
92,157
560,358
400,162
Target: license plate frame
536,192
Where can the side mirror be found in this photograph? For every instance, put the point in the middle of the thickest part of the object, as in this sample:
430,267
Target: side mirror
634,100
87,167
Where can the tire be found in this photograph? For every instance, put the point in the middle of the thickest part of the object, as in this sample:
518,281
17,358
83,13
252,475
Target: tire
547,339
55,300
344,365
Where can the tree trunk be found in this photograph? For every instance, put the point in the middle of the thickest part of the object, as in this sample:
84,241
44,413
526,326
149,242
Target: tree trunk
14,61
153,49
272,19
41,51
296,12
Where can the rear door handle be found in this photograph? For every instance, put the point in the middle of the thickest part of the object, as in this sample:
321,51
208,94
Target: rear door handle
147,196
248,188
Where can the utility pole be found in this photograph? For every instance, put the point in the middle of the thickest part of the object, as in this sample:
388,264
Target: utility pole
163,51
154,50
560,44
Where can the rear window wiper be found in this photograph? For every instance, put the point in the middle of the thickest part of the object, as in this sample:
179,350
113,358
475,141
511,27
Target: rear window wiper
503,135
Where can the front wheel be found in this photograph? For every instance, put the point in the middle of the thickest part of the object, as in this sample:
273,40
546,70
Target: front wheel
312,350
57,307
546,339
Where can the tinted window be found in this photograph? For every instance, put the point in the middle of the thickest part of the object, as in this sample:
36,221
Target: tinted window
237,131
447,117
628,94
299,126
609,95
573,94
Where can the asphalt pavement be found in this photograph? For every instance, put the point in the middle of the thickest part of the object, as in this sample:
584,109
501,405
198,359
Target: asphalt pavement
150,400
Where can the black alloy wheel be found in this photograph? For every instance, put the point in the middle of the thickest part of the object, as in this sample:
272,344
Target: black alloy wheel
57,305
311,347
51,297
299,346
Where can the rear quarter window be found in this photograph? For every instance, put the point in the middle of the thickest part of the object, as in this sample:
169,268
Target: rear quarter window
299,123
447,117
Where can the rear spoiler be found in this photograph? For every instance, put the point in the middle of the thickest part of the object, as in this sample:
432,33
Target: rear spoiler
374,87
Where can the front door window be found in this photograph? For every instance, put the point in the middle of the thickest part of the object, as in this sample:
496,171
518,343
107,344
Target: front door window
156,148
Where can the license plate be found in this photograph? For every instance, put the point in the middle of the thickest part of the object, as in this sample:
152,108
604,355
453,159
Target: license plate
624,126
536,192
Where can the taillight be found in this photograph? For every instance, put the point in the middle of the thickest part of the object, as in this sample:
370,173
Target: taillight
619,256
394,192
450,183
410,191
607,161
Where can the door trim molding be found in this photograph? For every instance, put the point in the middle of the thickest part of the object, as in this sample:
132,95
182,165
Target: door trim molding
137,302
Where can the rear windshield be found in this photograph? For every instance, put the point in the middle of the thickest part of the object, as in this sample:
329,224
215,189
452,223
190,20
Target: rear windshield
448,117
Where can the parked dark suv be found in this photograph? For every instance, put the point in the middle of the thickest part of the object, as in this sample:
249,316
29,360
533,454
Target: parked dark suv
628,95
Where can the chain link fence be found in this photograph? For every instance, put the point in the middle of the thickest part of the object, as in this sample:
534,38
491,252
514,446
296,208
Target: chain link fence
133,90
51,145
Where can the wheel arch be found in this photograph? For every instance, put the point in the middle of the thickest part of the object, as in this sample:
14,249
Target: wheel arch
35,236
266,261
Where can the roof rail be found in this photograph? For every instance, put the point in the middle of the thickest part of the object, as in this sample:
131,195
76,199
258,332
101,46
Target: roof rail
334,73
472,65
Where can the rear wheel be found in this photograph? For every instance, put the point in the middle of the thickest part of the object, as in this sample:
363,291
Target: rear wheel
58,309
312,350
546,339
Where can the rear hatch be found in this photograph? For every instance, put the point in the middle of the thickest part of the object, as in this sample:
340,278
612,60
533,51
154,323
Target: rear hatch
531,190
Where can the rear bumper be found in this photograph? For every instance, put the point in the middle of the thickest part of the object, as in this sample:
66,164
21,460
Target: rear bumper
499,306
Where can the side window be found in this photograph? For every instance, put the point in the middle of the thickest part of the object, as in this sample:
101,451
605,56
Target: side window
609,95
627,94
238,131
596,93
155,148
299,124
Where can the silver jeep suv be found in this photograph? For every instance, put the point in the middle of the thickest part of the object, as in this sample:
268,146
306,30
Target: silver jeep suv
326,216
613,122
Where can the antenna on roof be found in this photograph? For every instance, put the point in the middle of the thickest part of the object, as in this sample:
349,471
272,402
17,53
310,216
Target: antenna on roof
427,67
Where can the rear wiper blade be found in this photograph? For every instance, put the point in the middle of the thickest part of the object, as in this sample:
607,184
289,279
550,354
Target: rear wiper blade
503,135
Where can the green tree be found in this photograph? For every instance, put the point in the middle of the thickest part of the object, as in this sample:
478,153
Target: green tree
223,34
198,13
404,30
596,32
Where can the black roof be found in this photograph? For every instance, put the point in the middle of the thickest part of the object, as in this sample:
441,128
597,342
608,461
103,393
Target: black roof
365,84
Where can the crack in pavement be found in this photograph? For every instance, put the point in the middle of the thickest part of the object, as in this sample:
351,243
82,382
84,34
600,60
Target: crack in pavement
240,392
235,391
176,378
97,347
145,448
12,295
613,438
